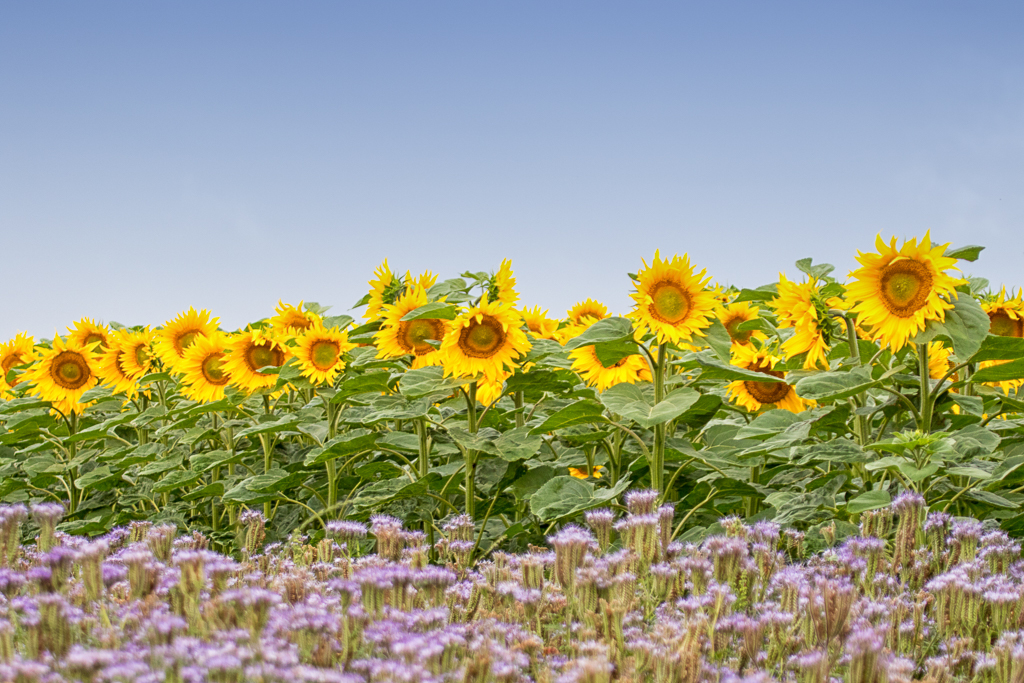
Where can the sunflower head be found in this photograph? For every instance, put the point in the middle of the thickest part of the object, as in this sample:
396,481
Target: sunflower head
754,395
385,288
63,373
539,324
802,307
671,300
87,332
397,337
581,472
136,351
484,342
733,315
292,320
321,353
587,312
204,368
250,351
501,286
180,333
628,370
898,290
14,352
1005,314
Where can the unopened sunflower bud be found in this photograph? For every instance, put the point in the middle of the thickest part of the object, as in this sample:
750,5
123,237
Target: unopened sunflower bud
46,516
600,522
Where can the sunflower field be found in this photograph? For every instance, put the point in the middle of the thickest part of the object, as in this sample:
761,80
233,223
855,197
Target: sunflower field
807,402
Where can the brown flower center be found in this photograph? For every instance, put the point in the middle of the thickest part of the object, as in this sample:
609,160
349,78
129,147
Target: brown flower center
905,286
9,362
142,355
413,335
97,339
739,337
324,354
1005,326
669,302
69,370
482,339
213,369
262,355
185,340
766,392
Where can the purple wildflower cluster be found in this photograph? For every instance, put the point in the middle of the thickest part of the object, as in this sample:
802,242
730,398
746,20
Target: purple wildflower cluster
914,596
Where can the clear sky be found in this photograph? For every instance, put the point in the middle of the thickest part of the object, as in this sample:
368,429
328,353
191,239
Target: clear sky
157,155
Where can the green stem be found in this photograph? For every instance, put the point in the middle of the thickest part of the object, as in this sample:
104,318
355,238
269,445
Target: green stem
470,477
423,461
520,418
658,459
925,391
73,498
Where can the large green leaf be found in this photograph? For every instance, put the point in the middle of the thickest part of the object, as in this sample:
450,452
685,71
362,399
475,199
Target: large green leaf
713,368
835,386
579,412
969,253
518,444
995,347
565,495
370,383
607,330
629,401
343,445
435,310
872,500
426,382
719,340
966,326
1013,369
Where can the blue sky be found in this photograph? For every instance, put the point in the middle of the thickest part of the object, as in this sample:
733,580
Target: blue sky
225,155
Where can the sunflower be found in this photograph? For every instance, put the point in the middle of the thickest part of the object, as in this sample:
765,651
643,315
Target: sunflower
292,320
112,372
488,391
484,342
63,373
501,287
938,360
86,332
15,352
587,312
899,290
248,352
178,334
1006,315
588,366
539,324
799,306
734,315
754,395
581,472
397,338
671,299
136,351
320,353
203,368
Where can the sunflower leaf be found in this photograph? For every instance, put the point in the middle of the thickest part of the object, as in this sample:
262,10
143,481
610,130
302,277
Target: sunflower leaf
435,310
968,253
629,401
607,330
995,347
719,339
1013,369
966,325
580,412
610,353
716,369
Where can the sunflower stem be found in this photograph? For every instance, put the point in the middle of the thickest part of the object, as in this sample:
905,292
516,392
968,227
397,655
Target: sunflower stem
332,471
423,461
860,426
471,454
520,418
72,470
658,460
926,403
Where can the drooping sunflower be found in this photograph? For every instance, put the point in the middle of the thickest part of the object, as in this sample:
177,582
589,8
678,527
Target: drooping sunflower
15,352
136,351
249,351
1005,314
799,306
501,288
292,320
181,332
320,353
671,300
734,315
899,290
588,366
87,332
63,373
755,395
539,324
204,372
397,338
484,342
111,370
489,390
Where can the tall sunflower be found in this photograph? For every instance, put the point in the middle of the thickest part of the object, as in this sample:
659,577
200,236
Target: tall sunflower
203,368
539,324
63,373
1005,314
588,366
136,351
397,337
87,332
181,332
320,353
292,320
671,300
501,287
800,306
484,342
755,395
111,369
899,290
248,352
14,352
734,315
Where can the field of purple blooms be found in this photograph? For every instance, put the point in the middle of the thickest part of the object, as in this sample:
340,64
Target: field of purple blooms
913,596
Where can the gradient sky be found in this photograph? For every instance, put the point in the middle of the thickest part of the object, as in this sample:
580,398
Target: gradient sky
158,155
